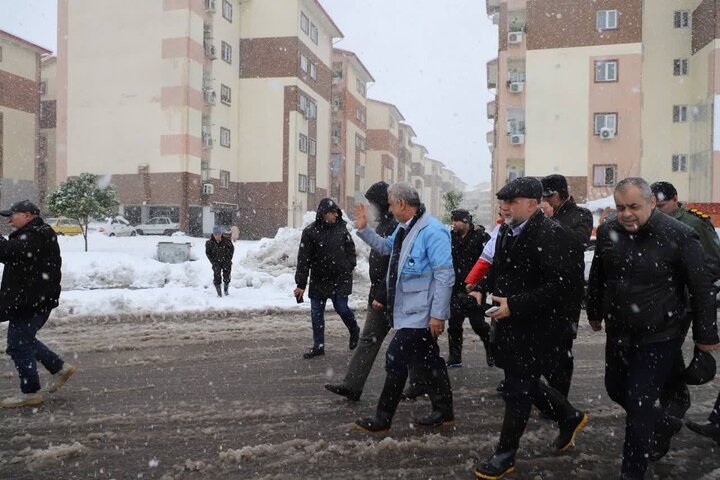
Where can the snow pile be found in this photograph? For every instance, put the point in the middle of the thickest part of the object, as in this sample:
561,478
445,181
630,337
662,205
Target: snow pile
600,204
37,459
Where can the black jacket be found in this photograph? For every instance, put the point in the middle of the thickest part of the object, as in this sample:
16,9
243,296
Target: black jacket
538,278
637,283
377,196
327,255
577,221
31,278
219,253
465,253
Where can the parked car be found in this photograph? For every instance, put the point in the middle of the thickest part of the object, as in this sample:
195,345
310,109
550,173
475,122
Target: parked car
112,227
158,226
64,226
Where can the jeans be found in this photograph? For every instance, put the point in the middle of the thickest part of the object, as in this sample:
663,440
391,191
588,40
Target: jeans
25,349
317,315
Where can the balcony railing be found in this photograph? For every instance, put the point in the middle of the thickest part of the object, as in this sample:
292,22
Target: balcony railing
492,73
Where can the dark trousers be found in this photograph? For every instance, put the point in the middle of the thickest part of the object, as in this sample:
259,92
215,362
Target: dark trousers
26,350
317,315
374,331
462,307
715,414
221,270
634,376
559,376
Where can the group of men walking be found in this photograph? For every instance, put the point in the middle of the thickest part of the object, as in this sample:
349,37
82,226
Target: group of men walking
650,280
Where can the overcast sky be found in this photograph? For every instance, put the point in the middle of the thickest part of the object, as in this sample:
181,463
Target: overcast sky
427,60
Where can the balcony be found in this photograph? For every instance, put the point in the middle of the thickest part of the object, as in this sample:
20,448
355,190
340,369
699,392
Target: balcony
207,140
490,137
491,110
210,6
492,73
210,51
210,96
492,7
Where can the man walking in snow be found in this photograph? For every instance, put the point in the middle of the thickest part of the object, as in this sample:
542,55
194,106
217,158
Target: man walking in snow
219,250
327,255
30,290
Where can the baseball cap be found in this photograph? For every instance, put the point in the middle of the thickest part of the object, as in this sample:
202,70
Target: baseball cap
25,206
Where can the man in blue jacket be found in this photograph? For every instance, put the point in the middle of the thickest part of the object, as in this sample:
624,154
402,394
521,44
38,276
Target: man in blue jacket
419,286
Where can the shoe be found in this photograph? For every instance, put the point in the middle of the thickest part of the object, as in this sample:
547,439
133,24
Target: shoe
496,467
453,362
314,352
61,377
489,358
566,437
227,288
373,424
660,444
501,386
354,339
414,391
343,391
709,430
436,418
219,292
22,400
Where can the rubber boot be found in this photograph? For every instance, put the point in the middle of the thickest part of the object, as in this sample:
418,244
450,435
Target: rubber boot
227,287
419,384
442,401
387,405
455,343
217,289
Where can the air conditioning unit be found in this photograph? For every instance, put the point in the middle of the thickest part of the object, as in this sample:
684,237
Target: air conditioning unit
607,133
210,96
517,87
517,139
515,37
208,189
211,51
207,141
210,6
335,108
335,140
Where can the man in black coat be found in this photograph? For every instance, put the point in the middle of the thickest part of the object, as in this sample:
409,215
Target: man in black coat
327,255
377,323
530,281
30,290
219,250
644,262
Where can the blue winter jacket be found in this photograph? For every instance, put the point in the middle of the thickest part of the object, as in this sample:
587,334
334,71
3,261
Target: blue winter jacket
426,275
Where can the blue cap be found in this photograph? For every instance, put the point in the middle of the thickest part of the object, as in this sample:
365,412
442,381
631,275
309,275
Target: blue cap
218,229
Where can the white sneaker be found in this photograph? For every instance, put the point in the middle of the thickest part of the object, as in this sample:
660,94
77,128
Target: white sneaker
22,400
61,377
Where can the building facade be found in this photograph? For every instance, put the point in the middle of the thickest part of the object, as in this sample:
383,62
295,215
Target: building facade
383,131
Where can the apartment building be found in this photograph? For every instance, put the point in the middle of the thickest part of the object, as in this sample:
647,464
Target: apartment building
20,148
604,90
406,135
348,165
383,127
47,179
418,180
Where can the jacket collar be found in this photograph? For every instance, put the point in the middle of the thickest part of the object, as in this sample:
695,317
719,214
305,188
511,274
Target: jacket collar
567,205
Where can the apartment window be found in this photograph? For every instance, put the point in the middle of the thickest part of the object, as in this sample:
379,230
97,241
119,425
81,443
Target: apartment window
302,183
679,113
606,71
303,143
224,137
225,94
313,71
360,87
304,23
607,20
335,162
680,67
42,87
303,104
679,163
226,52
604,175
224,179
314,33
312,147
312,183
227,11
388,175
681,19
335,132
312,109
0,54
605,120
304,63
359,143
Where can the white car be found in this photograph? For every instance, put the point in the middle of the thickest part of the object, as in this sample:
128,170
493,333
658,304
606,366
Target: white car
158,226
114,227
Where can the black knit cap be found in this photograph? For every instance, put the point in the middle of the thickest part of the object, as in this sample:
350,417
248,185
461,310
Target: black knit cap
523,187
25,206
663,191
461,215
553,184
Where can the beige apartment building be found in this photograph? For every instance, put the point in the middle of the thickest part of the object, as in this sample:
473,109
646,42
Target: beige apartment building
47,165
348,165
21,165
599,91
383,131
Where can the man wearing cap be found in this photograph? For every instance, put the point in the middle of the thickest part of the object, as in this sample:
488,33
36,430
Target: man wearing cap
219,250
530,281
30,290
644,263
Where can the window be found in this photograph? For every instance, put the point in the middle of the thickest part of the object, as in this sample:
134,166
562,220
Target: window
680,113
224,137
304,23
360,87
335,162
0,54
227,11
680,67
606,71
359,143
303,143
604,175
312,109
303,104
224,179
335,132
225,94
388,175
303,63
226,52
313,71
311,185
302,183
312,147
607,20
681,19
314,33
42,88
605,120
679,163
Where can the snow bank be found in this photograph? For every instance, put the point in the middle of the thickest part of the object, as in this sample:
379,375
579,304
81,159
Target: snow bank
37,459
600,204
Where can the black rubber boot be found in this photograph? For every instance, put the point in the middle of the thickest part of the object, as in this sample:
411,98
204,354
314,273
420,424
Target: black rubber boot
497,466
442,402
227,287
343,390
709,430
419,384
455,342
665,429
387,405
568,429
217,289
